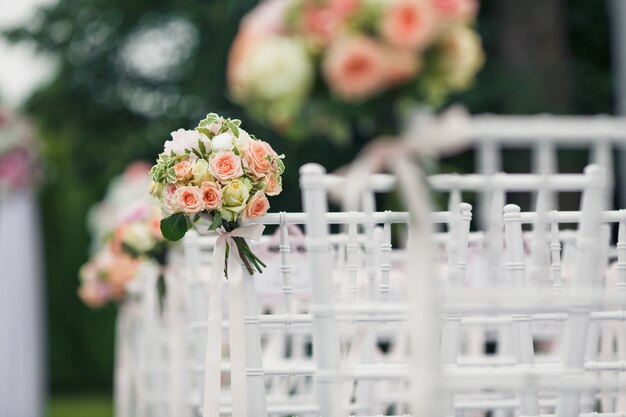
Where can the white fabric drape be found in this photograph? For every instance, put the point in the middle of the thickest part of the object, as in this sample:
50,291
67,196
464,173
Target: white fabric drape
21,306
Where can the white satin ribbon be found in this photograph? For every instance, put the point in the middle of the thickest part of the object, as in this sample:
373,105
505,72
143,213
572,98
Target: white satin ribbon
236,316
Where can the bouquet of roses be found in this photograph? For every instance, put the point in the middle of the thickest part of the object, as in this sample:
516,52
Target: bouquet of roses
105,276
334,63
126,230
18,153
138,234
131,244
215,177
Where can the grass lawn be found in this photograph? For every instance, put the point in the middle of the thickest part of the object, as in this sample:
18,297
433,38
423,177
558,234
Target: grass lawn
97,405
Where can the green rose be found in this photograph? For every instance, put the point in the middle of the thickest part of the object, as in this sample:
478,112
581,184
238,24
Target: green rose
200,173
156,189
234,198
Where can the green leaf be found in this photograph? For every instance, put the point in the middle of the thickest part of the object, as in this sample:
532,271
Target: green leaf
233,128
281,165
208,120
134,253
202,147
170,175
174,227
216,222
206,132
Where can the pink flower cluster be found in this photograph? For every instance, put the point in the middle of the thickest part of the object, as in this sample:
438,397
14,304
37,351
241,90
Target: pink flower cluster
218,168
132,237
18,152
104,277
362,48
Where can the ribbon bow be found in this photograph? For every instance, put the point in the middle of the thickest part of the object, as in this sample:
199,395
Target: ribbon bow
236,315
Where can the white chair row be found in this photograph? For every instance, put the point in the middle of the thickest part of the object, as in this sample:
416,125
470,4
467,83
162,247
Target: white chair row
544,135
354,345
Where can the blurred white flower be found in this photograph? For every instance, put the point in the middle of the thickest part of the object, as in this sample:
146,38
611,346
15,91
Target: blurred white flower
243,139
139,237
462,56
273,73
126,193
185,139
222,142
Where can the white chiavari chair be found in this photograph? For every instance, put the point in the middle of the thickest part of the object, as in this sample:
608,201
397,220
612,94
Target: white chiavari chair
126,350
388,377
544,135
486,268
283,384
529,404
175,316
358,299
142,359
578,355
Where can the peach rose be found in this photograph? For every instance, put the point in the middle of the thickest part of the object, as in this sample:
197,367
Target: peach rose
408,24
257,206
138,169
122,269
402,65
94,293
267,17
258,158
183,170
264,20
273,184
211,195
189,199
355,68
345,7
239,51
225,166
321,23
115,244
155,227
170,203
456,9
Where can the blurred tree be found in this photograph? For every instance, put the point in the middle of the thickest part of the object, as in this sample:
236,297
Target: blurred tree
538,50
130,72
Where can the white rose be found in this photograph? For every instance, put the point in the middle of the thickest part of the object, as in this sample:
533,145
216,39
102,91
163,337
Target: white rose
185,139
243,139
223,142
139,237
276,75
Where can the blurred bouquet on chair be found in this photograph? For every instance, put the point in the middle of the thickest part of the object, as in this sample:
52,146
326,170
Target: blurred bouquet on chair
126,234
19,153
324,67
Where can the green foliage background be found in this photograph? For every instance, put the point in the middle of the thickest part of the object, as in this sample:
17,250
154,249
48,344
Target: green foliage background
91,132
